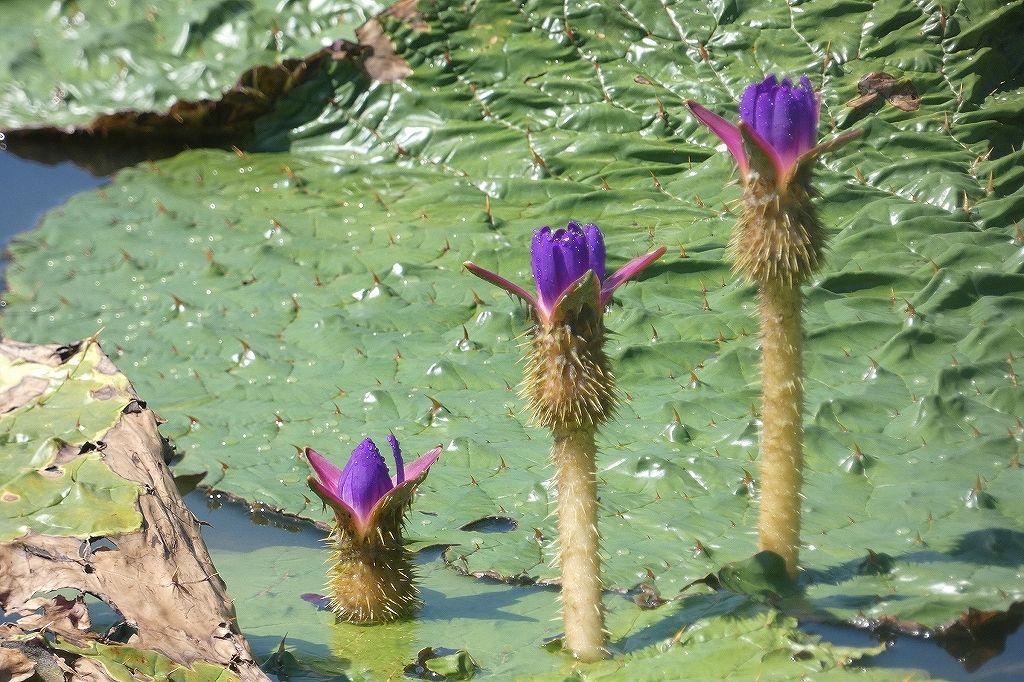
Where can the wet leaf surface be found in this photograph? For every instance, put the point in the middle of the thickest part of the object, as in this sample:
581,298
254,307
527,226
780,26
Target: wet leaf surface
503,628
309,292
57,406
69,63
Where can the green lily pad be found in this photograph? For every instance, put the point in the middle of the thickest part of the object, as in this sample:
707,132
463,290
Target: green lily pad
68,62
467,624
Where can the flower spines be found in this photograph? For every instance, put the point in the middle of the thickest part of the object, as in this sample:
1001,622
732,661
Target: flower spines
778,237
570,389
371,578
568,382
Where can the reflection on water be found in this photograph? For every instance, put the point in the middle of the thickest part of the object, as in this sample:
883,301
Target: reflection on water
372,649
95,156
920,653
235,526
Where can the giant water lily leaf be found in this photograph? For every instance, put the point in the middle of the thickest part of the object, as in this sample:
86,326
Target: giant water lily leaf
66,63
50,659
310,291
505,628
109,85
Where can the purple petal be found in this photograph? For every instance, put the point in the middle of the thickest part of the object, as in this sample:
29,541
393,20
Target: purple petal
542,262
747,104
422,464
499,281
595,247
365,479
763,111
785,116
765,88
559,258
399,465
574,254
811,112
727,132
627,272
324,468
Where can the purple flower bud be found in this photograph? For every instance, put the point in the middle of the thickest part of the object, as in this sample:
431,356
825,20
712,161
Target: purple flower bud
399,463
780,118
364,480
358,488
559,258
786,116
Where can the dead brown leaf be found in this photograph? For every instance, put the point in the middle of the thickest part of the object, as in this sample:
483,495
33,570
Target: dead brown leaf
899,92
68,618
15,666
160,579
380,61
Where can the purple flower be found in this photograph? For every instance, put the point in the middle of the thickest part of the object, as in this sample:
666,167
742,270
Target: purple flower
560,259
360,490
781,119
786,116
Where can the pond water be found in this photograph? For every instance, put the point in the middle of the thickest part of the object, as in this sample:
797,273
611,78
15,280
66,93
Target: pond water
269,561
238,528
28,189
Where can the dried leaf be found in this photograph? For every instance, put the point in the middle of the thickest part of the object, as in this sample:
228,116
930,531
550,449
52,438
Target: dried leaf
159,578
15,666
900,92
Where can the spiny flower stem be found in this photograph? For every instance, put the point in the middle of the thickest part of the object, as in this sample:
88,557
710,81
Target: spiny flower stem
781,432
571,391
779,243
574,455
